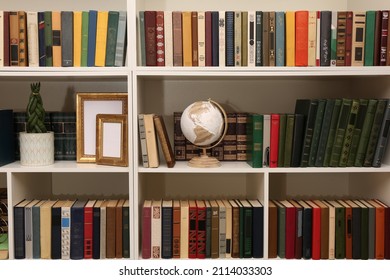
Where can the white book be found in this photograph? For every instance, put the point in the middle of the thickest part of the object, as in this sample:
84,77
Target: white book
65,229
1,38
222,39
333,39
332,230
237,38
229,228
201,39
121,39
251,39
156,229
222,229
32,38
28,229
103,229
312,38
266,139
318,43
184,229
168,39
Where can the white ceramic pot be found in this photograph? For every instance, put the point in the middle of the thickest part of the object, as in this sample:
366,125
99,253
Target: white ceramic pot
36,149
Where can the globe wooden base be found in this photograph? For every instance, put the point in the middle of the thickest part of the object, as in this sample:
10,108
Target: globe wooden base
204,161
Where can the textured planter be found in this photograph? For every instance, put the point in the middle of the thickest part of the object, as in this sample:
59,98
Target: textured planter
36,149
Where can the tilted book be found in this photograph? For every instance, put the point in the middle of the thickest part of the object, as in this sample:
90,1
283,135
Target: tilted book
164,140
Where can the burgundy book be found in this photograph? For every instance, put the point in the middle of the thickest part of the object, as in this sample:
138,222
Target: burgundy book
290,229
298,229
274,145
177,39
377,37
348,39
150,38
384,36
88,229
146,229
6,38
209,39
160,38
194,26
192,230
201,230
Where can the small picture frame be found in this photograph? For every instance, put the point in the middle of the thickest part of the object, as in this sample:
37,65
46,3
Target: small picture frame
111,145
88,106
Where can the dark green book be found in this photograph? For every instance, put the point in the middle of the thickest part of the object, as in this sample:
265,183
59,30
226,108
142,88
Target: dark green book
374,134
348,133
48,38
364,230
84,38
307,108
63,124
299,129
317,132
255,140
365,134
357,131
282,139
342,124
369,39
324,132
371,228
339,229
332,131
383,138
281,229
112,31
248,213
289,139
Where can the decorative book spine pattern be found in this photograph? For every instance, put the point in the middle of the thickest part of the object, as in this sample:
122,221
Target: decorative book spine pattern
160,30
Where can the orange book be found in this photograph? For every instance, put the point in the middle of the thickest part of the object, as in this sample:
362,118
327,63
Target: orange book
379,229
77,20
187,38
348,229
290,38
301,38
56,27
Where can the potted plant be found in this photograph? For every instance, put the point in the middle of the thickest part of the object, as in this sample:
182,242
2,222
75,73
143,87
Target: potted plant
36,144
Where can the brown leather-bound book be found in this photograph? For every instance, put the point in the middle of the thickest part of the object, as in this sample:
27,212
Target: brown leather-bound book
176,228
379,229
208,39
348,229
324,229
187,38
23,54
177,39
377,37
242,137
384,38
57,37
179,141
150,38
348,39
119,229
194,26
341,30
160,45
272,230
164,140
14,38
230,140
235,229
111,227
301,38
298,226
6,38
214,229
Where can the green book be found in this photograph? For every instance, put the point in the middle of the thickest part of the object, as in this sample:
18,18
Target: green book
282,139
248,213
48,38
141,18
289,140
339,229
112,31
371,228
332,131
317,132
374,134
369,39
365,134
84,37
348,133
255,140
357,131
364,230
281,229
342,124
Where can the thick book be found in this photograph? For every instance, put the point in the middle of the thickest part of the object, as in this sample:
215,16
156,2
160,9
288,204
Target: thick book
110,228
7,141
369,38
57,37
368,233
386,230
96,225
235,229
237,38
332,132
247,227
156,229
56,229
348,38
125,229
101,38
290,229
194,38
272,230
176,219
179,141
332,230
119,229
88,229
222,229
325,38
77,230
257,228
76,40
358,28
19,229
36,229
166,229
265,39
46,227
23,50
301,38
324,228
112,33
150,38
168,39
280,39
92,26
28,224
383,138
164,140
255,140
281,228
121,40
341,36
306,229
214,229
259,38
229,142
13,38
229,226
384,38
48,38
201,39
356,229
316,230
379,229
146,229
41,39
312,38
67,38
348,228
160,46
151,141
339,251
297,140
187,38
208,38
201,229
65,228
32,39
251,38
215,38
290,38
103,229
271,39
377,37
177,39
242,145
324,133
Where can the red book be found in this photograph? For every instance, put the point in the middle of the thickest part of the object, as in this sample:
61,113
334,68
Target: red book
6,38
146,229
384,36
88,229
193,229
160,38
201,230
316,231
208,40
298,229
150,38
387,229
301,38
290,229
274,146
348,39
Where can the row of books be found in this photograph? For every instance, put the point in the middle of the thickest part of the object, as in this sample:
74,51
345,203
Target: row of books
264,38
202,229
63,38
71,229
329,229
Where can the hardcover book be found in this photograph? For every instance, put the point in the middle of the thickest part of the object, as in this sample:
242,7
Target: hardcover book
7,140
257,227
164,140
156,229
120,52
76,229
146,229
176,228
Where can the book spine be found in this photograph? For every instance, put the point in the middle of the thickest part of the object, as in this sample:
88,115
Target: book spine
255,140
192,235
28,232
67,38
201,233
32,36
301,38
168,37
297,140
309,109
229,38
258,232
164,140
176,232
84,38
101,38
383,138
96,233
146,232
56,245
251,39
333,39
160,46
77,233
222,232
341,36
112,34
208,39
280,39
290,38
150,37
384,36
359,24
215,39
142,35
23,50
242,119
19,233
356,233
282,139
348,39
92,22
201,39
248,226
307,233
48,38
272,39
318,41
222,38
194,38
14,38
259,38
377,37
179,141
266,139
319,161
57,37
6,38
187,38
289,140
274,145
312,38
265,39
237,39
88,230
76,39
316,132
244,38
370,38
36,224
325,38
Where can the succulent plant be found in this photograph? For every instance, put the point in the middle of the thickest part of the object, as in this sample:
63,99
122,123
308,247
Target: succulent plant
35,111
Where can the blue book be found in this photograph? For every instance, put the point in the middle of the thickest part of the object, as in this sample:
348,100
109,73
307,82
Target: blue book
259,38
215,38
77,230
280,38
41,39
166,230
92,37
257,228
229,21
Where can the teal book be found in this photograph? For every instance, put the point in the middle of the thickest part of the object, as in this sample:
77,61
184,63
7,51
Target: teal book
317,131
112,32
280,39
84,38
141,18
342,124
332,132
282,139
255,140
48,38
369,39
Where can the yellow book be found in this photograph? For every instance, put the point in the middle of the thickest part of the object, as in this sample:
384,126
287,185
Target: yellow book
187,38
290,38
101,38
77,18
45,226
57,36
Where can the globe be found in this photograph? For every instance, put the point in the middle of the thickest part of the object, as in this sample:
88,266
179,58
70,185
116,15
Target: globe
203,123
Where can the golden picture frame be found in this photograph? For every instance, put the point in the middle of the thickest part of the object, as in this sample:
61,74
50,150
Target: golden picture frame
88,106
111,145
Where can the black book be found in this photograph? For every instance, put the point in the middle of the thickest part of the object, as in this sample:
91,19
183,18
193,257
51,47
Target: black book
325,38
166,230
56,230
96,230
77,230
19,230
215,38
306,229
383,138
7,143
259,38
229,37
257,228
296,152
